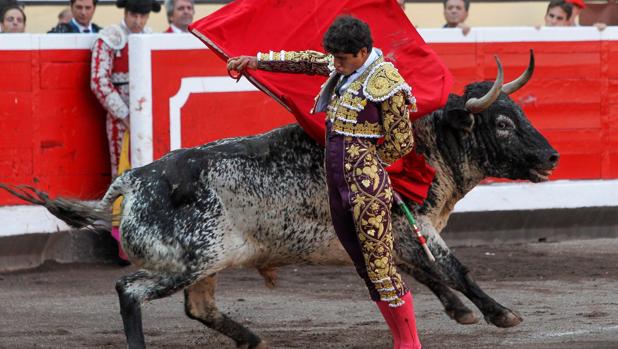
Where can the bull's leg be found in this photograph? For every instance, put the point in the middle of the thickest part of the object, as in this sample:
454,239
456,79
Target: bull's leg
143,286
270,276
453,306
200,305
448,270
458,277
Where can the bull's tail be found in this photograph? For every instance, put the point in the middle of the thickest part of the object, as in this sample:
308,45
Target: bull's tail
75,213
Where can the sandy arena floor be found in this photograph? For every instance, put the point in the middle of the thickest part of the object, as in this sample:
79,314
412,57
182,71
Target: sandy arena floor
567,293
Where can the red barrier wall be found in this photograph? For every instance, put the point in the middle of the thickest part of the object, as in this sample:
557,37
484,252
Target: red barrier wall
53,133
207,116
53,127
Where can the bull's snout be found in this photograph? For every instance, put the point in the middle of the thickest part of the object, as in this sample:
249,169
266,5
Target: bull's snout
553,160
547,163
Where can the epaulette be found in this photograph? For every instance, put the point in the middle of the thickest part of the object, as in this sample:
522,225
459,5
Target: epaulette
383,82
114,36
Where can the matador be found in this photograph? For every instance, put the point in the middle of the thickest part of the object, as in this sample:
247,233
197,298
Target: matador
367,105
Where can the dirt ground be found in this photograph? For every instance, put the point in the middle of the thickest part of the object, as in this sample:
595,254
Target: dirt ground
567,293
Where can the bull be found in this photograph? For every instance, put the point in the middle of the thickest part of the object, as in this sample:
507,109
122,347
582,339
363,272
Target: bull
259,202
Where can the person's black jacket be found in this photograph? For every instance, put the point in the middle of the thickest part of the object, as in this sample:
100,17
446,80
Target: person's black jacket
71,28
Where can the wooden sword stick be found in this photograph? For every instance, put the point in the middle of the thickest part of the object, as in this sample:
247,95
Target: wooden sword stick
421,239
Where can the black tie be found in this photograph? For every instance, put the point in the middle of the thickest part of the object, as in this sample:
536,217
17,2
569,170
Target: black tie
86,31
341,83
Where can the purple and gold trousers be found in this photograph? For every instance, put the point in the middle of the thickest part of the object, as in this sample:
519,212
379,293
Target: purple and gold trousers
360,197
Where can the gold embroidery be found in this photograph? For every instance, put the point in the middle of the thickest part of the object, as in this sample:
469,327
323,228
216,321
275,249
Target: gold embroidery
343,111
352,100
398,137
305,62
360,129
354,151
371,198
383,82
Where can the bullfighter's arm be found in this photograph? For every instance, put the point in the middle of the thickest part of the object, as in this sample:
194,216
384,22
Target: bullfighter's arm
398,137
101,83
302,62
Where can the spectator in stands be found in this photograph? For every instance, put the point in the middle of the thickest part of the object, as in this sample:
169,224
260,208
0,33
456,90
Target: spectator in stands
109,81
179,15
82,11
558,13
455,14
12,19
65,16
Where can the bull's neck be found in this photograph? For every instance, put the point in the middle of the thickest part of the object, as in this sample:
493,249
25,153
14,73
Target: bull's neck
456,171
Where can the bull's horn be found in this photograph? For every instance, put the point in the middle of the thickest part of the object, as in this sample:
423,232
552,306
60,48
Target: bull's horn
478,105
518,83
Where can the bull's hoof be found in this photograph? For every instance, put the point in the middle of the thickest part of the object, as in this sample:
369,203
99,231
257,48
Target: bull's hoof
270,276
261,345
505,319
463,317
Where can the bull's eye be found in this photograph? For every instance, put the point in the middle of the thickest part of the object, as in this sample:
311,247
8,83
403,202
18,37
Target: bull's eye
504,123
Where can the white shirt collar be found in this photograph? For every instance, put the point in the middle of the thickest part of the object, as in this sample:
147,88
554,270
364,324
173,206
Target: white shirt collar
81,27
375,53
175,29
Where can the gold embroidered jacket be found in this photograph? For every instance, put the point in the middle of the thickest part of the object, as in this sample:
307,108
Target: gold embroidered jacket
380,84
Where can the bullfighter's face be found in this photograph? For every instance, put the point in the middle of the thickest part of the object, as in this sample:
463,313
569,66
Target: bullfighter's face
135,21
348,63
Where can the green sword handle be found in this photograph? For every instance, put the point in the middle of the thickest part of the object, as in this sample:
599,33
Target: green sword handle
421,239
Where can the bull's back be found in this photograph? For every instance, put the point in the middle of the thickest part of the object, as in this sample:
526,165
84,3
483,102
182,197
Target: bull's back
267,191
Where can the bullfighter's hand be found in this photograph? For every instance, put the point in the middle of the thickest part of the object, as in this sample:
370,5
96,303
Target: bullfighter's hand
241,63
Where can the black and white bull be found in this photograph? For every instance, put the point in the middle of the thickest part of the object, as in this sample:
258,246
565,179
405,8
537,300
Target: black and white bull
261,202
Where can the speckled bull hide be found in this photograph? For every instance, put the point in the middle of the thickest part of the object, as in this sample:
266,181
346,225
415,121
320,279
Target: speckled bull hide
261,202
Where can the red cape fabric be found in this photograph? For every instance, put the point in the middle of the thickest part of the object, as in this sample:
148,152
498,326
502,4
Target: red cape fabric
246,27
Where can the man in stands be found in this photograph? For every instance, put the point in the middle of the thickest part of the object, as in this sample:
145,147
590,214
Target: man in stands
12,19
82,11
558,13
179,15
455,14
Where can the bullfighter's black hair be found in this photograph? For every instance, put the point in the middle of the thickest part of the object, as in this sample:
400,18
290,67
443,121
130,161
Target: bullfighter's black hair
347,34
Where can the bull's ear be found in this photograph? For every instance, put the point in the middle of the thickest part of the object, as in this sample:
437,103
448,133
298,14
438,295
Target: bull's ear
460,119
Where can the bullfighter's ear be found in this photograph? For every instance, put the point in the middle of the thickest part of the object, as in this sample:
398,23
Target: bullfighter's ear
460,119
